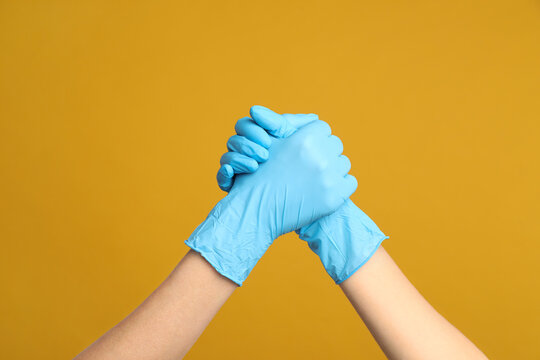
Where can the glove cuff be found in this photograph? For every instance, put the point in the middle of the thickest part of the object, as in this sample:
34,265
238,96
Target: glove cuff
226,242
344,240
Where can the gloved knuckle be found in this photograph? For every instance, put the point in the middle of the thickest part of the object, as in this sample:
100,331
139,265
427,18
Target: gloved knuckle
331,201
327,183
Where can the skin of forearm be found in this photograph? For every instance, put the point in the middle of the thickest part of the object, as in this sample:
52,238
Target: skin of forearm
171,319
402,322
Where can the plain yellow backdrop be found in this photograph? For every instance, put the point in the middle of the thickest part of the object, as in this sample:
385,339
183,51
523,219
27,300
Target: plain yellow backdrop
114,115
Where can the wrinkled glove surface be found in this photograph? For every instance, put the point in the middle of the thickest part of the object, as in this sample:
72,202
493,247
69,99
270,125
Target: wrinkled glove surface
304,179
344,240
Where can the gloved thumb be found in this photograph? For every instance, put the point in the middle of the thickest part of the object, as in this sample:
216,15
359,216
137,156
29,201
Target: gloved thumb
280,126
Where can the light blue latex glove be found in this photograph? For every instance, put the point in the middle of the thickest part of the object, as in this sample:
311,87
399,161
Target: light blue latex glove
304,179
249,147
344,240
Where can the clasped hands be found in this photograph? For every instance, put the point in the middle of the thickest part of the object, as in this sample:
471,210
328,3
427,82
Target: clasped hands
285,173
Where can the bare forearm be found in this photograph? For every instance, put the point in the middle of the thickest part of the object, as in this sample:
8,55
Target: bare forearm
403,323
169,321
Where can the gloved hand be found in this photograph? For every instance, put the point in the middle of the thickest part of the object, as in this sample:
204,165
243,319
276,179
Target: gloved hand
304,179
344,240
249,147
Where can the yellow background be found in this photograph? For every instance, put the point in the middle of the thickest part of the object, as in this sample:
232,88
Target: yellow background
114,115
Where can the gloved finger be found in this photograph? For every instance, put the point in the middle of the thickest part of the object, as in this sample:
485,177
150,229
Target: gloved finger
247,147
349,186
336,145
240,163
271,121
343,165
300,120
248,128
319,127
225,177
